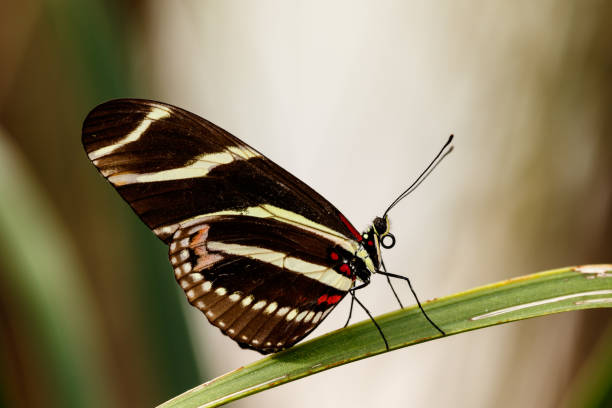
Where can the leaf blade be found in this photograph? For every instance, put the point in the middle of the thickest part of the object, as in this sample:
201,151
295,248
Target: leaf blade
540,294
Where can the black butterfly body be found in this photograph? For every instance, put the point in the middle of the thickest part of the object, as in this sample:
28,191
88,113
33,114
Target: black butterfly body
260,253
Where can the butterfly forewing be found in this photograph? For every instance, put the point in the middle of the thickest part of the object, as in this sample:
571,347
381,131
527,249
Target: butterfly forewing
171,165
250,243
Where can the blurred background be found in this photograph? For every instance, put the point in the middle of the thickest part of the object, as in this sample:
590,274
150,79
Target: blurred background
355,98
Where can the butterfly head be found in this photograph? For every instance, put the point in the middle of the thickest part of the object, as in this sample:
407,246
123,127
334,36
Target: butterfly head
378,234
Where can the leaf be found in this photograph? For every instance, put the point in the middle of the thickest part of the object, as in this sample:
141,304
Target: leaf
540,294
45,280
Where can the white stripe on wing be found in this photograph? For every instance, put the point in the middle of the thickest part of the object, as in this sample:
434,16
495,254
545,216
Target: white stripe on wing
156,113
321,273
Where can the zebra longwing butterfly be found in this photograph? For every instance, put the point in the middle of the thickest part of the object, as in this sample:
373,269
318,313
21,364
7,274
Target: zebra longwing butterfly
261,254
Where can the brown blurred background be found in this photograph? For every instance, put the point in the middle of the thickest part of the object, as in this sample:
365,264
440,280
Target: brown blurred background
354,97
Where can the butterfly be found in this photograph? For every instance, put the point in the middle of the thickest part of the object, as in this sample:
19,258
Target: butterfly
259,252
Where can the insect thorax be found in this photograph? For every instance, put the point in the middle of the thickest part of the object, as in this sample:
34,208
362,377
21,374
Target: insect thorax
369,247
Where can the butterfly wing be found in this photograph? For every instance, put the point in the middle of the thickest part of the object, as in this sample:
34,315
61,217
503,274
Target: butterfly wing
171,165
250,243
264,283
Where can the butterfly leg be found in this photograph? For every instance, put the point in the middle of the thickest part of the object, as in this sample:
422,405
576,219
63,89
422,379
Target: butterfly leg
392,275
351,308
352,293
391,285
373,321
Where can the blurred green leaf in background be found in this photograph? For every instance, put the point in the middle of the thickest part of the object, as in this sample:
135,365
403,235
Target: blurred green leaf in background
90,316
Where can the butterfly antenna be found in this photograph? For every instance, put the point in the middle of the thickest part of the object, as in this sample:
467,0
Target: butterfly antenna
441,155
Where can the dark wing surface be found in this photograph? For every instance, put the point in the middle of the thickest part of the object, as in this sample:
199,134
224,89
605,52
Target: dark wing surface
250,243
171,165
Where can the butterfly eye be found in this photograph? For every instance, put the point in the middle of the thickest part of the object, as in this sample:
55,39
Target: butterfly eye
380,225
387,241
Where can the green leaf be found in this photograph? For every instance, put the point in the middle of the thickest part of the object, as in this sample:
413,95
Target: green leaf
44,277
544,293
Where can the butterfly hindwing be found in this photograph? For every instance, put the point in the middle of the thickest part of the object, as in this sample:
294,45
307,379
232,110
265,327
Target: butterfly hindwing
263,283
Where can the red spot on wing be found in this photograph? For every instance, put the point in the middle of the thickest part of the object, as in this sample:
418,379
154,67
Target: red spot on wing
370,243
322,299
351,228
333,299
334,256
344,268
